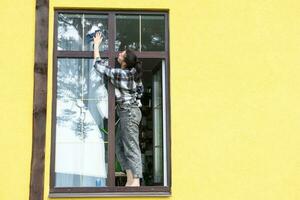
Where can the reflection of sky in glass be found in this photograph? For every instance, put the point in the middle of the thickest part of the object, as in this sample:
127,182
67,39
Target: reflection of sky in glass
73,28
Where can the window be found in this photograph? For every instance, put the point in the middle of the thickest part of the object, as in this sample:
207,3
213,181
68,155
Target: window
83,161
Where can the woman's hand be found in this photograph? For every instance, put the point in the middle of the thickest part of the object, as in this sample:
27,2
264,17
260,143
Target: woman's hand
97,40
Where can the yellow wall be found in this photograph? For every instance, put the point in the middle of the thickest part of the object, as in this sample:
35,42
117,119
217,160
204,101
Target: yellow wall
17,21
235,93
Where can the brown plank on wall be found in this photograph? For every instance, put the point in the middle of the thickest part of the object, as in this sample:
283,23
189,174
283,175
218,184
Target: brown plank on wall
40,100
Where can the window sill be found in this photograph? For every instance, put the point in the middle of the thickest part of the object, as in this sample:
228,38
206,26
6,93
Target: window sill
111,194
142,191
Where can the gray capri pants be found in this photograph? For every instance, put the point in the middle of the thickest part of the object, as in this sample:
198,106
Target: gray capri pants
127,139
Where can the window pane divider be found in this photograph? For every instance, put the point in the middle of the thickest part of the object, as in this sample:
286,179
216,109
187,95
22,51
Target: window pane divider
147,54
106,54
140,32
111,105
79,54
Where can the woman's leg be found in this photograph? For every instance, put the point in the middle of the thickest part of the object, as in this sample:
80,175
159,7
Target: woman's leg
122,127
132,150
119,147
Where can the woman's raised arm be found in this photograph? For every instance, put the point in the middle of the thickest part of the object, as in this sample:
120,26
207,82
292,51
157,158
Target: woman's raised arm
97,42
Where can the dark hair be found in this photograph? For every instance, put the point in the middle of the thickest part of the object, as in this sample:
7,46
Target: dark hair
133,62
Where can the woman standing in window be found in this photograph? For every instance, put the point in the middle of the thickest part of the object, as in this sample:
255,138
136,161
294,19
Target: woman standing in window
128,91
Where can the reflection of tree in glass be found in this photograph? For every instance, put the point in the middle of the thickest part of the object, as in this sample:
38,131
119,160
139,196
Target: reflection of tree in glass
69,32
68,79
80,125
127,32
93,82
124,41
68,96
93,23
77,81
153,33
68,114
73,28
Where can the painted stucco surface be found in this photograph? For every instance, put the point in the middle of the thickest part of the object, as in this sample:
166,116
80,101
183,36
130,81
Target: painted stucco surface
235,93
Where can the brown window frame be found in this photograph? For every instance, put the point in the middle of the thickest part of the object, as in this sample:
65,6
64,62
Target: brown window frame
111,54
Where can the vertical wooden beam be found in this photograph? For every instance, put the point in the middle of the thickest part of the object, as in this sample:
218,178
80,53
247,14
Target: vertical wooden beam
40,100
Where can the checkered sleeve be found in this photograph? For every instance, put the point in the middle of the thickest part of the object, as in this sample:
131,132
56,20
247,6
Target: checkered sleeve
111,73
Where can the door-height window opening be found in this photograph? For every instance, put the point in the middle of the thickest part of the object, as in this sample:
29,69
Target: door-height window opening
84,118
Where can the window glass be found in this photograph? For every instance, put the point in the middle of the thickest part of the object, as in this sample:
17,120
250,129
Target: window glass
81,125
127,32
74,31
140,32
157,127
151,126
153,32
94,23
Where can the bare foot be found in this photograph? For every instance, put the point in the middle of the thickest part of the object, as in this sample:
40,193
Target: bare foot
134,183
131,181
129,177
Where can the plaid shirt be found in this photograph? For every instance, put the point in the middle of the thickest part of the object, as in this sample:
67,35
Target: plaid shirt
127,91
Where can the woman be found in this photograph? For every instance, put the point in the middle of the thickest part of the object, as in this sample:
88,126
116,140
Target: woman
128,90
